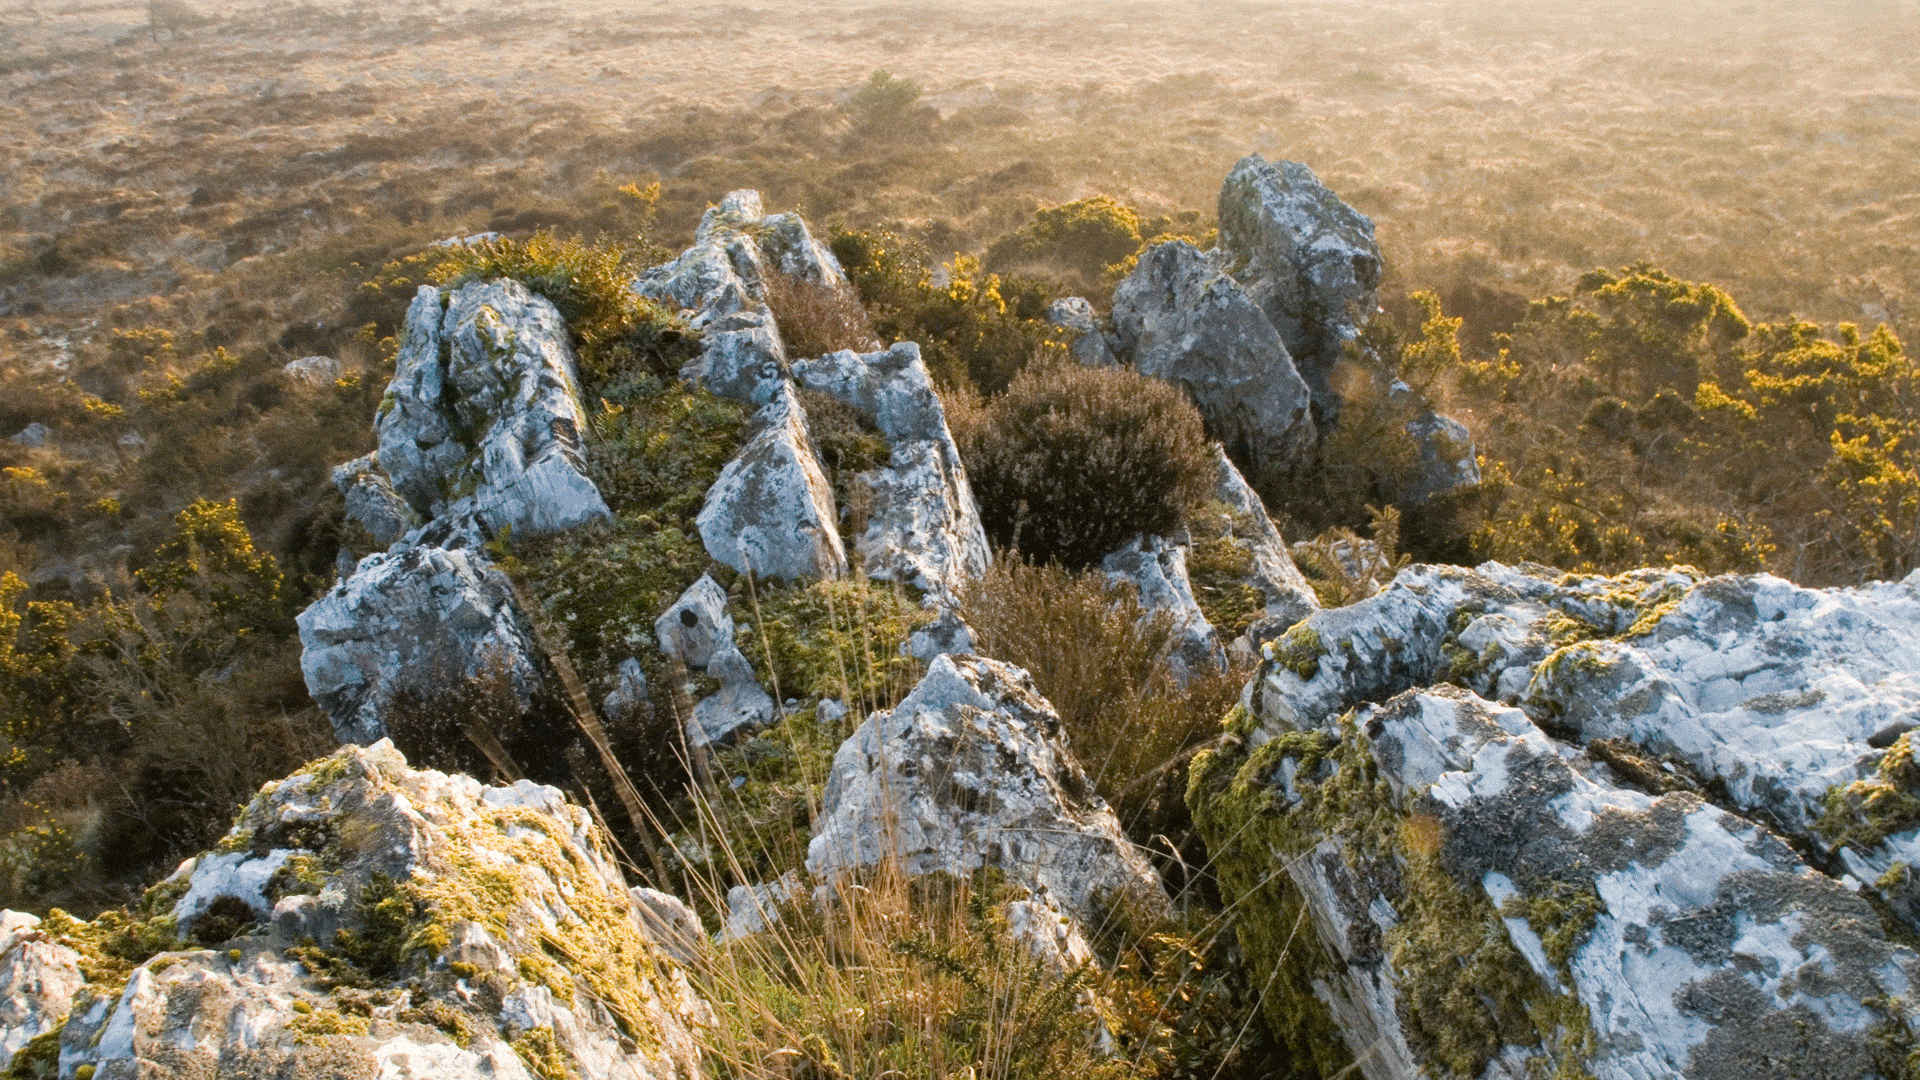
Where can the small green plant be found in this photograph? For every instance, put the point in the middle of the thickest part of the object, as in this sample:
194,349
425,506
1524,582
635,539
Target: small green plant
884,104
1072,462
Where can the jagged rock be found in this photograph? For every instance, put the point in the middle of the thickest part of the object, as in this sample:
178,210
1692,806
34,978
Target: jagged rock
755,909
945,636
313,370
771,511
923,527
410,620
667,921
721,282
628,700
697,625
479,923
1178,318
1448,460
972,769
371,501
1157,568
1307,259
38,979
1482,901
1089,346
33,436
1289,597
483,416
739,706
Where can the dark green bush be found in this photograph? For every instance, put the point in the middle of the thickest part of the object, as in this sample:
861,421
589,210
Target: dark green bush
1072,462
1084,237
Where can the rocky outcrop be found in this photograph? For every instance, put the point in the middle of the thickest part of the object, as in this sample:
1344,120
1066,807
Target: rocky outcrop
721,283
364,918
923,527
371,501
38,979
1088,345
1448,460
771,511
738,707
483,418
697,625
1457,894
972,769
1307,260
1177,317
412,620
1157,569
1289,597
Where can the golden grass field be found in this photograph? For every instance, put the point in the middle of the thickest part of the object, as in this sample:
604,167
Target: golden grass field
234,177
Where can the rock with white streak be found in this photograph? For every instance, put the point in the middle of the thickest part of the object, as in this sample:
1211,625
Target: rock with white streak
1177,317
972,769
1457,894
771,511
411,620
38,979
483,418
481,929
1307,259
923,526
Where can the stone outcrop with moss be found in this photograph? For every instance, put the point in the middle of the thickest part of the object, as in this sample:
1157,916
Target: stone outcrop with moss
1437,887
771,512
38,979
366,919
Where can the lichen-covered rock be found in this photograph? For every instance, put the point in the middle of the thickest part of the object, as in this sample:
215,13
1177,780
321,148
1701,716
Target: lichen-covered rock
946,635
697,625
313,370
38,979
414,619
972,769
738,707
721,281
483,418
771,511
1455,894
1289,597
1306,259
1089,346
1178,318
1448,460
412,924
923,526
371,501
1157,569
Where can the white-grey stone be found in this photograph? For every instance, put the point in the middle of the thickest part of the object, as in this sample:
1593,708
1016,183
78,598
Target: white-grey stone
1308,260
33,436
1157,569
697,625
371,501
1178,318
313,370
1448,459
483,417
972,769
946,635
409,620
755,909
771,512
38,979
923,526
627,702
738,707
1289,597
1089,346
668,920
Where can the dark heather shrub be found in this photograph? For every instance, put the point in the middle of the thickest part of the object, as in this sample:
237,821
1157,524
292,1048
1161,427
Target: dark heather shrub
1072,462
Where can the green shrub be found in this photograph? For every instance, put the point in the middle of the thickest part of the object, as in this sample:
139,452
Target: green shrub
1083,237
884,105
1072,462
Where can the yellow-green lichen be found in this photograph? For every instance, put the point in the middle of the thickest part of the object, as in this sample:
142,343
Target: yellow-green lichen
1862,814
1298,650
543,1055
316,1025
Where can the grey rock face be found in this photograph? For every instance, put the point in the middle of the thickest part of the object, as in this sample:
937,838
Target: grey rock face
313,370
1307,259
38,979
1289,597
1178,318
1652,936
357,819
628,700
33,436
771,511
483,416
697,625
923,527
1075,315
738,707
1157,569
944,636
969,770
1448,460
371,501
721,282
668,921
409,620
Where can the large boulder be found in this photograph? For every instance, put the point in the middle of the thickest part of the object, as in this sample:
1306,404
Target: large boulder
483,418
1448,461
1454,893
771,511
970,770
1307,259
1178,318
367,919
38,979
411,620
923,527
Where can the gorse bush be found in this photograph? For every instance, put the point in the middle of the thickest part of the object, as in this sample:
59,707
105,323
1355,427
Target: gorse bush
1072,462
1083,238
